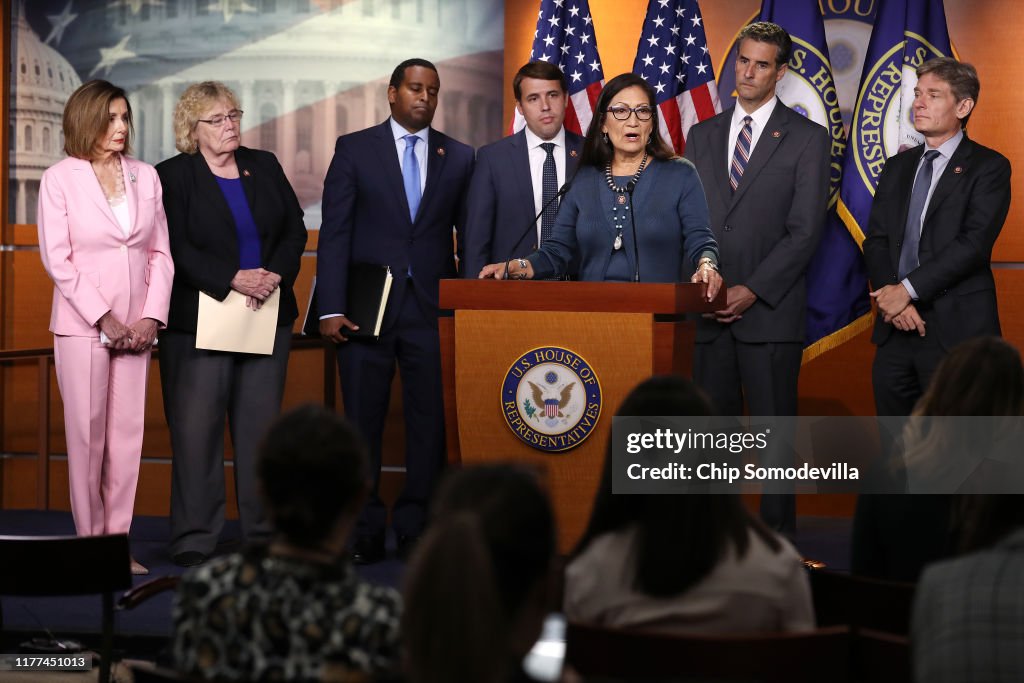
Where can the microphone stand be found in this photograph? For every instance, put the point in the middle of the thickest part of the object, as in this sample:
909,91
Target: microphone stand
632,219
533,224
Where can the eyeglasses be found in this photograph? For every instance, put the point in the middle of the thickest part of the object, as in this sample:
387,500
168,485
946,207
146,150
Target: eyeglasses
232,116
621,113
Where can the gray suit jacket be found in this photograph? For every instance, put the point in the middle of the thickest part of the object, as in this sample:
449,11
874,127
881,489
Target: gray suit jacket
969,616
768,229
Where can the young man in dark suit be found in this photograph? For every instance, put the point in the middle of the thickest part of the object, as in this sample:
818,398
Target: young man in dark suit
508,187
392,196
937,212
765,173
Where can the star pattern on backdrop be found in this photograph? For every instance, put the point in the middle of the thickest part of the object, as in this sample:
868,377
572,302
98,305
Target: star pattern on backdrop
110,56
59,22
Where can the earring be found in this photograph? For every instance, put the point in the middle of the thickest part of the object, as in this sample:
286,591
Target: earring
605,137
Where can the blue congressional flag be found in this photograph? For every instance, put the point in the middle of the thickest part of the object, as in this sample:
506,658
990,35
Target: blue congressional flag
565,36
906,34
672,57
838,306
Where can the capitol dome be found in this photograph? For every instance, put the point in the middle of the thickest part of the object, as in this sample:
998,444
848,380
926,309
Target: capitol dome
43,80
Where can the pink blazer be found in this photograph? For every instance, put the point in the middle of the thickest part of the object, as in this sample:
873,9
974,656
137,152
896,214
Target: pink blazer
94,267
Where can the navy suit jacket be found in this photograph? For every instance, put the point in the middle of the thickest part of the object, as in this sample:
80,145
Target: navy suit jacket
366,217
965,215
769,228
500,204
671,225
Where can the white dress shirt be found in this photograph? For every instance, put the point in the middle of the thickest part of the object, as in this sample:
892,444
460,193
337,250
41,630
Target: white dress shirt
760,118
537,158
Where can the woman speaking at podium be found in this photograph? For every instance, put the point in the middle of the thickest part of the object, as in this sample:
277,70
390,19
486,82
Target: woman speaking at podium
634,212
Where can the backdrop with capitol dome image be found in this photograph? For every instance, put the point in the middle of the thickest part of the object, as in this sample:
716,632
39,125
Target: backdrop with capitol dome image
305,71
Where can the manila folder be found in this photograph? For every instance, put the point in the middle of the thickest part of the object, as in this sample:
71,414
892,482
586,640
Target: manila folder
229,326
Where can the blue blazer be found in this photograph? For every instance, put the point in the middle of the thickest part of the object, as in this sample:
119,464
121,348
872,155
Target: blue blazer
366,217
671,225
500,203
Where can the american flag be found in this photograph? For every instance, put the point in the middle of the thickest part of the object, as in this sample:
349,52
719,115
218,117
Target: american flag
565,36
673,58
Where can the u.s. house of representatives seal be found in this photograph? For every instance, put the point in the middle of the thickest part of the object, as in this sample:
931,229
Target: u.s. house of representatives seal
551,398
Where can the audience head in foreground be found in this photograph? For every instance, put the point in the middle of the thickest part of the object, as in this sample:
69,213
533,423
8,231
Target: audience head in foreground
294,609
687,563
895,536
476,587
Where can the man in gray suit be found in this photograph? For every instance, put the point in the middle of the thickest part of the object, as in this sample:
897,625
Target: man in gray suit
765,170
508,187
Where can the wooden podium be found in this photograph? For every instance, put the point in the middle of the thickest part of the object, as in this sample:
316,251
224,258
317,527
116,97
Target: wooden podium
625,332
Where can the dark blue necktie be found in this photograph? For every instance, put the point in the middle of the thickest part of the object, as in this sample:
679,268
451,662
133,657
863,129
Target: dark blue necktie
411,175
912,229
549,188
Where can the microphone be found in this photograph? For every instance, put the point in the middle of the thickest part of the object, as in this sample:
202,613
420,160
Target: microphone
533,223
630,186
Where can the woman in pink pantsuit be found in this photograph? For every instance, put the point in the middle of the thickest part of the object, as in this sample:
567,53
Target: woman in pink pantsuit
103,241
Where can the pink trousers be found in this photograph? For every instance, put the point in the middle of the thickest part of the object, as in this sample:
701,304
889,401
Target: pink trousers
104,394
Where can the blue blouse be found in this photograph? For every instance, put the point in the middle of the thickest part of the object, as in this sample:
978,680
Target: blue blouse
672,225
249,246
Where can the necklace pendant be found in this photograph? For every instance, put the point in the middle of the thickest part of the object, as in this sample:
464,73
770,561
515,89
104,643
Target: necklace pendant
618,243
621,199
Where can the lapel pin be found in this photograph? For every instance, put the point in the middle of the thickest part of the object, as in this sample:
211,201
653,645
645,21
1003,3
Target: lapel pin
131,176
776,134
440,151
246,173
572,153
958,169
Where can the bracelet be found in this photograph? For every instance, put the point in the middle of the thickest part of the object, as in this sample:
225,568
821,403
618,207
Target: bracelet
706,261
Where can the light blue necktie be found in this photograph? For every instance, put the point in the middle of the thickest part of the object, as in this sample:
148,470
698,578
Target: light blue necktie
411,175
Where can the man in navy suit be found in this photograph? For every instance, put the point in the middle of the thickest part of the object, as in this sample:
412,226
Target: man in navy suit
508,189
392,196
937,213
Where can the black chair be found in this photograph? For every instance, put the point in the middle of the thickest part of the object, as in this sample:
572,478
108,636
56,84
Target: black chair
861,602
881,657
627,655
68,565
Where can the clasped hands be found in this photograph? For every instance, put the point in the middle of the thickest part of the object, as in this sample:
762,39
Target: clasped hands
134,338
897,308
257,284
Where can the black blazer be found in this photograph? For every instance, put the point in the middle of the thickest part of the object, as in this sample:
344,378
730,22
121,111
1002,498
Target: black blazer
204,240
954,283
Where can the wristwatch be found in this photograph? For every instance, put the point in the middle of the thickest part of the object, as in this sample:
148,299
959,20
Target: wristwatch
521,275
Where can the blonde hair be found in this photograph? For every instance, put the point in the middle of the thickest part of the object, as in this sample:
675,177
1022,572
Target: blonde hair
87,118
196,99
